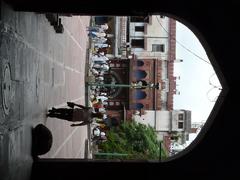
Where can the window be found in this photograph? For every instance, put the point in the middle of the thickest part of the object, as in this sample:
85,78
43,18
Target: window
139,19
137,43
137,106
180,125
140,63
180,116
158,48
140,94
139,28
124,65
140,74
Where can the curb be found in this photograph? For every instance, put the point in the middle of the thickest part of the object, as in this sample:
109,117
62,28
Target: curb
86,150
88,144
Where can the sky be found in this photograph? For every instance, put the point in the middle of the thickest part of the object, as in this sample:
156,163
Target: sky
196,93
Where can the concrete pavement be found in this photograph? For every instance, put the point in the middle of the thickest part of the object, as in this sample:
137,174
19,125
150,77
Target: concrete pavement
39,69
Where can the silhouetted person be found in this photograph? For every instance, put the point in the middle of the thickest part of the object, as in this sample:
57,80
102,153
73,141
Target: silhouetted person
81,113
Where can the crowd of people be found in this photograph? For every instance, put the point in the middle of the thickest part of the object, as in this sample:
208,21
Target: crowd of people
99,60
95,114
98,68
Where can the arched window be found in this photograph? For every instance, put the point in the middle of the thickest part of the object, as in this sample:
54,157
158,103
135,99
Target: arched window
137,106
140,63
140,94
140,74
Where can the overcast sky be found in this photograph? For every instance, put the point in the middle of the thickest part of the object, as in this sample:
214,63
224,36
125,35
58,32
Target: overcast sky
194,87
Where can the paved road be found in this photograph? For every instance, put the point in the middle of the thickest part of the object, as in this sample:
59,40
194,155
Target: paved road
39,69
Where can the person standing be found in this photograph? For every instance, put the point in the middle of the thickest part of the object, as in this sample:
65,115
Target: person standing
102,45
94,34
81,114
99,58
98,28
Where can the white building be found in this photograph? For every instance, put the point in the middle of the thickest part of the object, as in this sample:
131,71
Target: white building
165,122
120,46
149,39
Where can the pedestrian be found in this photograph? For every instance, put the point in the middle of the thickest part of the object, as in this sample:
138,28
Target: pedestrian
98,135
94,72
102,98
97,105
101,45
99,78
80,114
104,26
99,40
99,58
101,67
98,28
94,34
104,50
101,126
95,29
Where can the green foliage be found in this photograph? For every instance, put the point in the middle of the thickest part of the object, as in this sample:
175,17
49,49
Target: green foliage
137,140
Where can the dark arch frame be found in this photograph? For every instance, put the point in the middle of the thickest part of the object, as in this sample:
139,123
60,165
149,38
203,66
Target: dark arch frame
185,20
212,164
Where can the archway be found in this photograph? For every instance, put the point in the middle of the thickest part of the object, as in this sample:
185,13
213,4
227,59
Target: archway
140,74
140,63
137,106
139,94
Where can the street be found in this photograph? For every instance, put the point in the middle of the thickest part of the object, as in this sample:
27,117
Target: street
39,69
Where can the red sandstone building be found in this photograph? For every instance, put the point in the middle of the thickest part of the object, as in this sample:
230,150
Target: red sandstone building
148,57
152,61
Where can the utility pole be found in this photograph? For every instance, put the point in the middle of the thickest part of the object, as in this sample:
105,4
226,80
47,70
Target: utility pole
160,152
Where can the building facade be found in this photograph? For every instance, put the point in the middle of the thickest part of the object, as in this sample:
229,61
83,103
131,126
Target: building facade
152,42
150,50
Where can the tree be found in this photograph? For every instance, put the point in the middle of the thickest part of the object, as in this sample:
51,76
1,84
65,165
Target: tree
136,140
